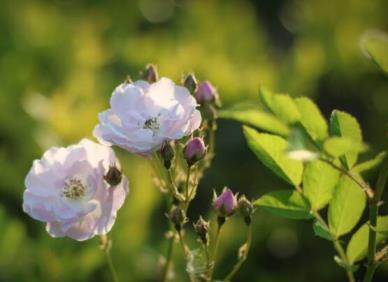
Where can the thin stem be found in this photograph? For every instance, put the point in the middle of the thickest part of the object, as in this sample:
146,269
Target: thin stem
364,186
206,249
337,245
105,244
187,188
216,243
170,251
183,245
370,272
373,212
242,259
111,267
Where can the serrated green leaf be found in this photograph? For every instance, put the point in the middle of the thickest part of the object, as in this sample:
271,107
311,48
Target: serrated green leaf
281,105
312,118
358,244
371,164
346,206
321,231
287,203
271,151
375,45
344,125
339,146
257,119
319,181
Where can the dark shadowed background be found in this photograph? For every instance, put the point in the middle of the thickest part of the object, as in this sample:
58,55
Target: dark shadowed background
60,61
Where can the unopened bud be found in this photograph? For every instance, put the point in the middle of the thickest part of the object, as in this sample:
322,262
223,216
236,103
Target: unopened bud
205,93
201,227
190,82
128,80
226,203
113,176
167,153
150,73
177,217
246,209
194,151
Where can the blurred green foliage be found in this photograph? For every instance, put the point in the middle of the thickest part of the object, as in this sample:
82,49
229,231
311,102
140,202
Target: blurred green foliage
61,59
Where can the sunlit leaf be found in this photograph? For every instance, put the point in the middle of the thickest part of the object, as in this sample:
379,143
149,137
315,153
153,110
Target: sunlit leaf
375,46
287,203
321,231
256,118
271,151
343,124
346,206
371,164
319,181
312,118
339,146
282,105
358,244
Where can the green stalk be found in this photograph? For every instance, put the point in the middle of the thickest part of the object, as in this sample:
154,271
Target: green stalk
243,258
337,245
170,251
373,212
216,243
105,244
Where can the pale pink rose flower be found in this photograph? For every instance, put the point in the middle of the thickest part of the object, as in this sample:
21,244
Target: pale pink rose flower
66,189
143,116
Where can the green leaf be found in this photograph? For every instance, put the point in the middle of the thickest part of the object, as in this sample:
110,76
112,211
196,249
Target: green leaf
271,151
282,105
346,206
312,118
256,118
358,244
345,265
375,46
321,231
344,125
287,203
319,181
371,164
339,146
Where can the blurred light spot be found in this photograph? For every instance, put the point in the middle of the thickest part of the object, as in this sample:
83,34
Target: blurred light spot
283,243
37,106
156,11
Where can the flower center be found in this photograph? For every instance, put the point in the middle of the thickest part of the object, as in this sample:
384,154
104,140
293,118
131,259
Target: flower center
74,188
152,123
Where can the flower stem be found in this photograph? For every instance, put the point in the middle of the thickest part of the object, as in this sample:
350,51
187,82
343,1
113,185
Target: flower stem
187,188
170,251
111,266
216,243
243,257
106,244
373,212
337,245
183,245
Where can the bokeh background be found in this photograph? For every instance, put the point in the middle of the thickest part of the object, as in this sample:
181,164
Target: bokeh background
61,59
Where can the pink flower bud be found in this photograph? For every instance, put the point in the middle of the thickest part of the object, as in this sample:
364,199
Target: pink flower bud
226,203
194,150
205,92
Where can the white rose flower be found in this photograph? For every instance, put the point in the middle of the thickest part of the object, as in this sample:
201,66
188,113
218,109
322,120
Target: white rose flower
66,189
143,116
